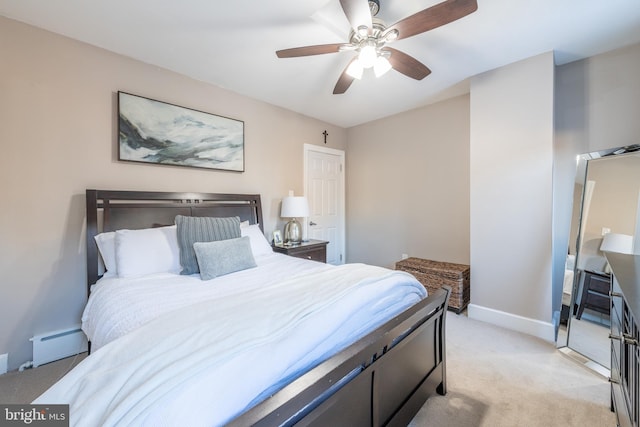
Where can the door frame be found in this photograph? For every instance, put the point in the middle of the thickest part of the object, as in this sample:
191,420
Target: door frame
342,209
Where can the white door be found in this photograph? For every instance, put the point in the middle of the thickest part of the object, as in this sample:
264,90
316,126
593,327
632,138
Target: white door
324,188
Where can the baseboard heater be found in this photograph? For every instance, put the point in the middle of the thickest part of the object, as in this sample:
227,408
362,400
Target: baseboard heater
57,345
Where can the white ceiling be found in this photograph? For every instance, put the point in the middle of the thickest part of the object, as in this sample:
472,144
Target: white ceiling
231,44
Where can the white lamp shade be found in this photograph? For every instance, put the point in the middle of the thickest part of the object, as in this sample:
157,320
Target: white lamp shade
294,207
381,66
355,69
621,243
368,56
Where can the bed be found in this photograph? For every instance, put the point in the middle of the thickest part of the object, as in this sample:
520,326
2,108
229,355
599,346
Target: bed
280,341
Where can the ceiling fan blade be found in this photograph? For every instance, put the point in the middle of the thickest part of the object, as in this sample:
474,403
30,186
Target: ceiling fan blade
357,12
344,81
309,50
433,17
407,65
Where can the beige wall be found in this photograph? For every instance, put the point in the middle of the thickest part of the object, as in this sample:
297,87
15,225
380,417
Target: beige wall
599,99
597,105
511,195
58,135
408,186
615,194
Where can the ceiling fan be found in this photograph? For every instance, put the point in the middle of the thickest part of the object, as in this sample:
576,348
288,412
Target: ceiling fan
369,37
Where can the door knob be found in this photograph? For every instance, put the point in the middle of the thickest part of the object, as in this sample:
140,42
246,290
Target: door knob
312,223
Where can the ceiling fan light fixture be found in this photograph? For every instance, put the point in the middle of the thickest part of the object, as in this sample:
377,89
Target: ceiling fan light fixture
355,69
368,55
369,35
381,66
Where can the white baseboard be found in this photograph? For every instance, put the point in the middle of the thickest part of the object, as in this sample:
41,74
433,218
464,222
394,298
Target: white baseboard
537,328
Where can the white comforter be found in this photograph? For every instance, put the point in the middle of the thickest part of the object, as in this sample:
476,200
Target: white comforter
118,306
203,364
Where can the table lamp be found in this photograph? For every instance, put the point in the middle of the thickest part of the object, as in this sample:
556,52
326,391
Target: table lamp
621,243
612,242
294,207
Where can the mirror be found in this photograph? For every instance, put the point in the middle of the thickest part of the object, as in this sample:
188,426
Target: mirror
605,218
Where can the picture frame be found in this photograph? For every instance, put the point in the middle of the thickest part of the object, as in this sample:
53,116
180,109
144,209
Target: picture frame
277,238
151,131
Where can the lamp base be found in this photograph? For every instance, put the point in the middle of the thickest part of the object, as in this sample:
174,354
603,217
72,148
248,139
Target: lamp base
292,232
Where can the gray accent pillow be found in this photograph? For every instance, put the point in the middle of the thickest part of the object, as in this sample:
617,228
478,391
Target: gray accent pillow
223,257
192,229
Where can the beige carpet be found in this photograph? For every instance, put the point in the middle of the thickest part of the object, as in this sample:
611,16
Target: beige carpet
496,378
501,378
24,387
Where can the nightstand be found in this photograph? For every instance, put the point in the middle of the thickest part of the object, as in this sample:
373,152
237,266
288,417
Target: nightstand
595,292
315,250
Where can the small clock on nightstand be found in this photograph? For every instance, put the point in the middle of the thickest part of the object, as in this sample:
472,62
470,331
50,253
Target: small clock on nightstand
315,250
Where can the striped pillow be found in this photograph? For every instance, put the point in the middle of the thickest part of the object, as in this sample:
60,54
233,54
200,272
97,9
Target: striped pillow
192,229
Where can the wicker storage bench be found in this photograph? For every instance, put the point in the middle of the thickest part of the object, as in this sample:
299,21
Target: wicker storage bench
434,274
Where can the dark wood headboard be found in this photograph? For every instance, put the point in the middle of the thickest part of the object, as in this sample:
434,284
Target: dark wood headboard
114,210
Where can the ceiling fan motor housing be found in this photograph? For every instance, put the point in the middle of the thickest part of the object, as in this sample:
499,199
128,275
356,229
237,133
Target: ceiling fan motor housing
374,6
376,31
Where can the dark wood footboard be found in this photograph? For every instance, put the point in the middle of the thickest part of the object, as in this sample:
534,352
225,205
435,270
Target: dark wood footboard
381,380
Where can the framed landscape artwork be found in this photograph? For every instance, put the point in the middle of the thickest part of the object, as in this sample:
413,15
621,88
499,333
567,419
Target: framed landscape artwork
151,131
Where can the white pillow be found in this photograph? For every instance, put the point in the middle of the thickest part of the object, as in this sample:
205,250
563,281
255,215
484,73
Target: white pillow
259,243
147,251
107,249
